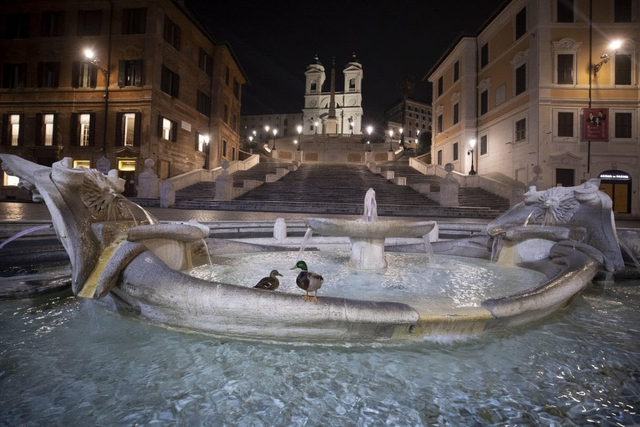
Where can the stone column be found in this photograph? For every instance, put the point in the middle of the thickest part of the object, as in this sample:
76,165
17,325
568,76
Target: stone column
449,187
224,184
148,182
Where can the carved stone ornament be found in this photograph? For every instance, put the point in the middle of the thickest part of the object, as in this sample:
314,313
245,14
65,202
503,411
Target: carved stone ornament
520,58
100,196
132,52
566,45
554,206
484,85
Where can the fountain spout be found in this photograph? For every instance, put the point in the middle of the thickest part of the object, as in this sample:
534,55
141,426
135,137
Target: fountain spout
370,206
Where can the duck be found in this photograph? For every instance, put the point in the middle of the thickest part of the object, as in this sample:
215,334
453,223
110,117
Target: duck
308,281
270,283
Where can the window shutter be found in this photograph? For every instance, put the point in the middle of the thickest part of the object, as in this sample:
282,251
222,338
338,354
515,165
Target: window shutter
73,130
21,131
121,73
55,130
177,35
119,139
5,129
137,129
196,147
39,129
159,126
22,76
174,131
56,74
143,20
92,129
75,74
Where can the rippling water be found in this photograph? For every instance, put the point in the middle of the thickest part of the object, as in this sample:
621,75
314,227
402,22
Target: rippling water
64,361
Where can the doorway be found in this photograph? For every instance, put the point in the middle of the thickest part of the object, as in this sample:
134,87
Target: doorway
127,171
617,185
565,177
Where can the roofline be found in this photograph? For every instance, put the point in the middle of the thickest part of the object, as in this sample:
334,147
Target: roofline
463,35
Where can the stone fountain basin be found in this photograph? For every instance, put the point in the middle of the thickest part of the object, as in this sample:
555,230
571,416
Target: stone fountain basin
173,299
379,229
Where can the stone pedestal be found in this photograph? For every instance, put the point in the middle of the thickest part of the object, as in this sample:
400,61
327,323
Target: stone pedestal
280,230
148,182
449,187
167,195
367,254
224,184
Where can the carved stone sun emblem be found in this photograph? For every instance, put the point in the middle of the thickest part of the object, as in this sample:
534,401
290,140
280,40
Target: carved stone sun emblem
555,206
100,196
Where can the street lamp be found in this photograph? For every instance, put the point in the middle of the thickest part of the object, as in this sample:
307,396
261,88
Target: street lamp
351,124
606,57
275,132
89,54
401,130
316,126
390,139
206,151
473,144
266,129
299,129
369,131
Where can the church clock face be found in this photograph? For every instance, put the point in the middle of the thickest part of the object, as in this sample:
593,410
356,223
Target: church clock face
312,103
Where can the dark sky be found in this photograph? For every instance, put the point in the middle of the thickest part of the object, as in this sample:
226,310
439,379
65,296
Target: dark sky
275,41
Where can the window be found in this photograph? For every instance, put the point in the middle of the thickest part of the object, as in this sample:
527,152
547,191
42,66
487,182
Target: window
134,21
564,10
167,129
565,69
521,23
226,76
84,74
224,148
483,145
52,24
439,157
623,69
13,132
200,142
130,72
225,114
83,130
622,11
14,76
234,124
17,25
89,22
48,74
352,85
623,125
565,124
484,102
170,82
440,85
172,33
521,79
204,104
46,134
456,71
455,113
10,180
455,151
313,87
521,130
440,123
484,55
128,127
205,62
236,89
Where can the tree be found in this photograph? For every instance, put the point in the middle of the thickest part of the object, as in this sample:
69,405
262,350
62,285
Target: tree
405,86
424,143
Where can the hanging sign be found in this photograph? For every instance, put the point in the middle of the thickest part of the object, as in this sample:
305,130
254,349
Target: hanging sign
595,124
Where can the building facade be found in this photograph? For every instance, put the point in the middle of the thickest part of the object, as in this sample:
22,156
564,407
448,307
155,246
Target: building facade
417,120
113,83
523,89
256,125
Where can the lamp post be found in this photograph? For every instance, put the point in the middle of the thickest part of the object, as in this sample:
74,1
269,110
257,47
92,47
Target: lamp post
613,46
472,143
369,131
401,130
299,129
275,132
351,124
206,151
266,129
89,54
391,140
316,126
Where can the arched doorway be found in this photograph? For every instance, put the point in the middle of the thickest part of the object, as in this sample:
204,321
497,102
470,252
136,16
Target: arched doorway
617,185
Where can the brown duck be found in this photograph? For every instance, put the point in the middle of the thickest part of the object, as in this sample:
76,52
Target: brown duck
270,283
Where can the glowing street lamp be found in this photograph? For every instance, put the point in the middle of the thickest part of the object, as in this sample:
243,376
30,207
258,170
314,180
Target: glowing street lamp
266,129
316,126
275,133
472,143
369,131
613,46
390,139
299,129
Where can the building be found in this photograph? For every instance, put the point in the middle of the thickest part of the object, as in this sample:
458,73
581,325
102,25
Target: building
523,88
417,120
113,83
256,125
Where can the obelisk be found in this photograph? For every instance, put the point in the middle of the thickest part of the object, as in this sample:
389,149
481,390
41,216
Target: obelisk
332,120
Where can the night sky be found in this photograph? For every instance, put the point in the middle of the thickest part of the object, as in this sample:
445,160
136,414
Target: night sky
276,40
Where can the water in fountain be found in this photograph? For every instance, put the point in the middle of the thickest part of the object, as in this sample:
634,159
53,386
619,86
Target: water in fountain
139,215
24,233
496,246
580,368
206,249
305,242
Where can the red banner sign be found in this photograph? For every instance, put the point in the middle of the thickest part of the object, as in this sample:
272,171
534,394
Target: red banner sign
595,124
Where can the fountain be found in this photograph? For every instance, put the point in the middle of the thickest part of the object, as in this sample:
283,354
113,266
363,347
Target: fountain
138,268
368,234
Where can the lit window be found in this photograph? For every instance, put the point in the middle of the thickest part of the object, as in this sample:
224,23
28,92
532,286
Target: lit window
10,180
201,143
128,128
127,165
14,129
48,129
166,129
85,128
82,164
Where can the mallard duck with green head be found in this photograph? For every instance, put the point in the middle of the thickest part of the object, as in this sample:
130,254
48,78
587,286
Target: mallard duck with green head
270,283
308,281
